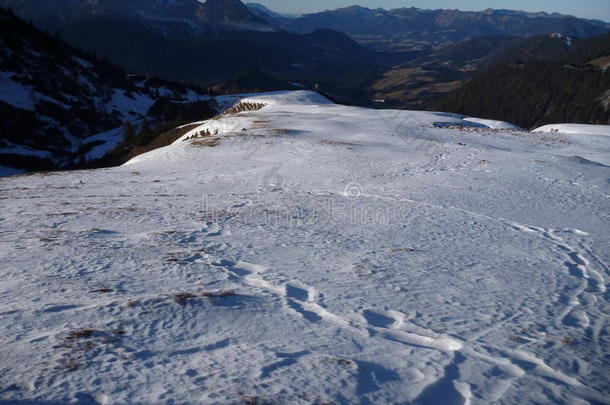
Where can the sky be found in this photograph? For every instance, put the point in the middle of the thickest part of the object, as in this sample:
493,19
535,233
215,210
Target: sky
598,9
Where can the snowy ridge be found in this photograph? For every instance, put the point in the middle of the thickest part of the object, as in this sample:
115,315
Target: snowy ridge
576,129
305,252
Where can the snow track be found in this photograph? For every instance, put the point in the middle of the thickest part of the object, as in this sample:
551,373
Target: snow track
316,254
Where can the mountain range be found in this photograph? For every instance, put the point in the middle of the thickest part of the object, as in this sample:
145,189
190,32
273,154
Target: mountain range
169,17
405,28
186,40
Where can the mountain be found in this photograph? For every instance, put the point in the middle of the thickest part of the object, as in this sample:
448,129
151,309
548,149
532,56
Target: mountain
214,58
263,12
435,73
60,107
397,28
230,14
545,82
168,17
189,41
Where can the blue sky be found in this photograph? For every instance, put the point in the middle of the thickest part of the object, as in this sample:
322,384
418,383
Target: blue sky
599,9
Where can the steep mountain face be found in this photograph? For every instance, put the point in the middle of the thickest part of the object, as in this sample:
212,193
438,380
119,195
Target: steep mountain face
56,102
379,26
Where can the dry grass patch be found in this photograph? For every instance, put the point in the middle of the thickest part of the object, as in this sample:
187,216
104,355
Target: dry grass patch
242,106
403,250
339,143
182,298
255,400
214,296
205,142
133,303
341,361
80,334
603,62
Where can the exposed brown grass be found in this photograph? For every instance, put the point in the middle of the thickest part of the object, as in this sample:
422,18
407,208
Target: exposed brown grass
70,366
80,334
447,87
402,250
240,107
341,361
602,62
219,294
205,142
330,142
182,298
254,400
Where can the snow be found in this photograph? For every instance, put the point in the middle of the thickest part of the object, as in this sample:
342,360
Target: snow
576,129
16,94
9,171
130,107
12,148
83,63
20,96
333,254
493,124
110,138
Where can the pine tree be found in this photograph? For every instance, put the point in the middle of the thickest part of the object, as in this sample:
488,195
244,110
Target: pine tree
145,134
129,133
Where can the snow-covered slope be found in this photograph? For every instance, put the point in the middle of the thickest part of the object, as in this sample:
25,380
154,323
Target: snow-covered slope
308,253
576,129
55,101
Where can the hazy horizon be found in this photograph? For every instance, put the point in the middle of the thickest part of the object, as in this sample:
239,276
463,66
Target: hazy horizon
592,9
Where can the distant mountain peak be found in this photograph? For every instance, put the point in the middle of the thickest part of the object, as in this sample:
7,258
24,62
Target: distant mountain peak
228,11
530,14
265,13
386,29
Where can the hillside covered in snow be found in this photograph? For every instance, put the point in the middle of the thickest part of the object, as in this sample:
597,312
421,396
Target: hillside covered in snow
294,251
60,106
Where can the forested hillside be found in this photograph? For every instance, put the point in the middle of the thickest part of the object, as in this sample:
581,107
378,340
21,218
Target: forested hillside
531,92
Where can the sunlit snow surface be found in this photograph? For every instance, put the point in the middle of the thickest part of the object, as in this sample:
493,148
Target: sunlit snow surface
576,129
375,257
